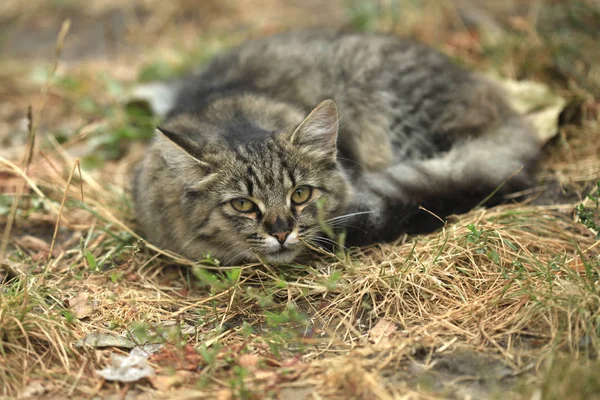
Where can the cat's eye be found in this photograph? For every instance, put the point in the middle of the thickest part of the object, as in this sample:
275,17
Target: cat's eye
243,205
301,195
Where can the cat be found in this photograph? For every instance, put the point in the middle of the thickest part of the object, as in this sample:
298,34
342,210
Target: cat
281,136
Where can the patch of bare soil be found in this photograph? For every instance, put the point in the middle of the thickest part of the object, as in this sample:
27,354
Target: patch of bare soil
458,374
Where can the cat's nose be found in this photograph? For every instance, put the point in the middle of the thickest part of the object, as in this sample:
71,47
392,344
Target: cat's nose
279,228
281,236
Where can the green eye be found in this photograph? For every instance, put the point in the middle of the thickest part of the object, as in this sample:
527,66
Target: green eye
243,205
301,195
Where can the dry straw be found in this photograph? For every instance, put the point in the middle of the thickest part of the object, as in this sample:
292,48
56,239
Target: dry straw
516,283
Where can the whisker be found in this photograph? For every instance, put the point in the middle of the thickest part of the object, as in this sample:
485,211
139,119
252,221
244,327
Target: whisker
230,246
325,240
251,249
335,222
346,216
189,242
316,248
352,161
317,229
234,245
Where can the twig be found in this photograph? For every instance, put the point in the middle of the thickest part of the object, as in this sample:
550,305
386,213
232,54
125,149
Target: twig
482,202
62,205
32,126
60,42
19,191
433,214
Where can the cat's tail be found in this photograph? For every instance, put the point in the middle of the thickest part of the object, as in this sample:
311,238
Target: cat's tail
390,202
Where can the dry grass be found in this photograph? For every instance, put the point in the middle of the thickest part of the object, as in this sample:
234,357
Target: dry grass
511,289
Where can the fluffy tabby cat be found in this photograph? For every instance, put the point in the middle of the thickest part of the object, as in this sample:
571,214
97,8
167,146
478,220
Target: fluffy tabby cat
242,168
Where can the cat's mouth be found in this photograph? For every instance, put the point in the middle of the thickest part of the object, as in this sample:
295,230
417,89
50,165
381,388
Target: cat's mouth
282,255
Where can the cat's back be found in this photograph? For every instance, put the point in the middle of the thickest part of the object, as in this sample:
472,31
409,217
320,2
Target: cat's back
304,68
398,100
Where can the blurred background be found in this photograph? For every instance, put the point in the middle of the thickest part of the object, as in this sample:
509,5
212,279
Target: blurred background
136,30
112,45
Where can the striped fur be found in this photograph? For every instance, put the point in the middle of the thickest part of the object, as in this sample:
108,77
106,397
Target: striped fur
410,129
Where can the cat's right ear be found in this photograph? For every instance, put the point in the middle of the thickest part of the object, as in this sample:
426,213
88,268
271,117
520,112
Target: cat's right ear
179,151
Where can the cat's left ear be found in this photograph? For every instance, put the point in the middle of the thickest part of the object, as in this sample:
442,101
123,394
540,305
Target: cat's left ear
318,132
181,152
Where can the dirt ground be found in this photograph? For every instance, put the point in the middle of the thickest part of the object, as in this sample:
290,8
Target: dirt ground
502,303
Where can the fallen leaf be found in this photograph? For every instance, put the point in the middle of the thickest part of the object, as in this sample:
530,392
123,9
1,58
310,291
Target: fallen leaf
28,242
37,247
302,393
540,106
165,382
183,328
12,269
129,368
224,394
249,361
81,305
269,377
520,24
36,389
186,358
380,334
148,349
546,121
97,340
290,362
466,40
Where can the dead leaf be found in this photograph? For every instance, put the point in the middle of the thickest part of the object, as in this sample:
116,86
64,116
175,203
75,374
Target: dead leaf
269,377
466,40
186,358
302,393
380,334
224,394
36,389
165,382
129,368
12,269
36,247
520,24
81,305
97,340
249,361
183,328
540,106
290,362
28,242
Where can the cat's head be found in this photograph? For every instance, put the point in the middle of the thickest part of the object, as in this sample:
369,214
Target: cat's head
263,197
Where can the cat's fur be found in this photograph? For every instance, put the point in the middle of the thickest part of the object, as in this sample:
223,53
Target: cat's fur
414,130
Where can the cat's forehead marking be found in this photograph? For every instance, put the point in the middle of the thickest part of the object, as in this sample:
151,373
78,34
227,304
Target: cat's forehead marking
266,171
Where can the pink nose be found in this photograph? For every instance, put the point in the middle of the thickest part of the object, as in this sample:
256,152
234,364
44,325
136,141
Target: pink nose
281,236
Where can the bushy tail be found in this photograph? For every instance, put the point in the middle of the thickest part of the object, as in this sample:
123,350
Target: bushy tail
387,203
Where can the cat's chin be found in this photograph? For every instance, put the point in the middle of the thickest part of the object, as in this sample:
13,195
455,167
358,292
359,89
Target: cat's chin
282,256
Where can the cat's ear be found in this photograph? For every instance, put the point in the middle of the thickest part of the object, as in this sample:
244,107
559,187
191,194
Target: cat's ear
318,132
179,151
